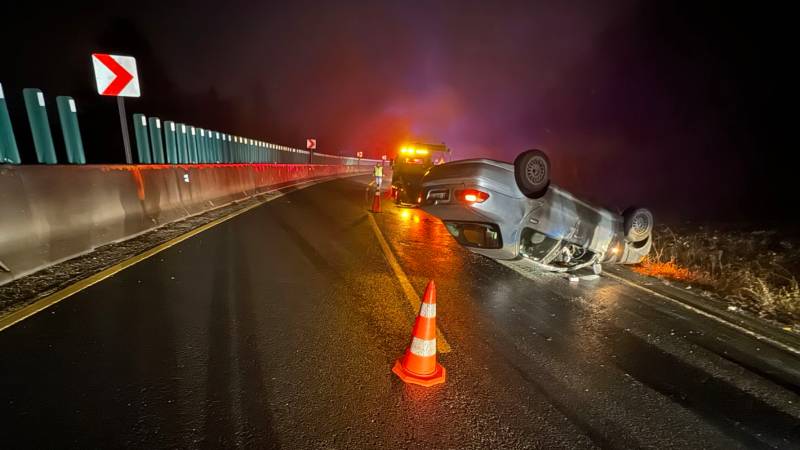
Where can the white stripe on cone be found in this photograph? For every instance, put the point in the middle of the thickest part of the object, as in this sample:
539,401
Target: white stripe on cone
428,310
422,347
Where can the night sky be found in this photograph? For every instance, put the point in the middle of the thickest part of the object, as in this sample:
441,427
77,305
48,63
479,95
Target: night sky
683,108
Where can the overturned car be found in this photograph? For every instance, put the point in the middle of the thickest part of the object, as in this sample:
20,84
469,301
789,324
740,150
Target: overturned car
508,211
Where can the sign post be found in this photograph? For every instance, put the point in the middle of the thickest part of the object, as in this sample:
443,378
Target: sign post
123,123
117,76
311,145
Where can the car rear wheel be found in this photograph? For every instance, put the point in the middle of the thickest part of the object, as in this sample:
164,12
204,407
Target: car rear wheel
532,173
638,224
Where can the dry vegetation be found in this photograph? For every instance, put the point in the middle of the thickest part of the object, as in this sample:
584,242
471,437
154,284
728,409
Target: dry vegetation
755,270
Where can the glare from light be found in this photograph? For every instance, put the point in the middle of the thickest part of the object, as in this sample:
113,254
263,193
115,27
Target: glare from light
472,198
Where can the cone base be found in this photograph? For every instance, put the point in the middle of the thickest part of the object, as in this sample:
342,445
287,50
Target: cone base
376,205
437,377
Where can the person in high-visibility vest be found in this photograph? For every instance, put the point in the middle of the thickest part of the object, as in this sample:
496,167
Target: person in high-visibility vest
378,172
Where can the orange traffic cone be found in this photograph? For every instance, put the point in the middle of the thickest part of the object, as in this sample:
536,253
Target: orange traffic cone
376,201
418,365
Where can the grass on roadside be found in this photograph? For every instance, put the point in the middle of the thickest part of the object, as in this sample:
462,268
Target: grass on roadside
753,270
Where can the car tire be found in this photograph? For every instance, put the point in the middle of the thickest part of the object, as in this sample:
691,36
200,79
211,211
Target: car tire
532,173
637,224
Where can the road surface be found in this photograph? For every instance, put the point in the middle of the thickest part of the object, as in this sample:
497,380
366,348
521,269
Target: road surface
279,328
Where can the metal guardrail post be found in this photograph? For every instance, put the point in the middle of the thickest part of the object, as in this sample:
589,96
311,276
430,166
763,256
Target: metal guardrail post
68,116
142,138
171,142
156,142
40,127
9,153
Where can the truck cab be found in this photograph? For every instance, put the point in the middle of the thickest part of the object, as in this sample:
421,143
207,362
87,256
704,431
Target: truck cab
412,162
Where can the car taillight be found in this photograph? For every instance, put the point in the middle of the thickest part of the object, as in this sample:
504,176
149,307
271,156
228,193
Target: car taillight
472,196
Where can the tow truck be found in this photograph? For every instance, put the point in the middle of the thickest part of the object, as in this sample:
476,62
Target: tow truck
408,168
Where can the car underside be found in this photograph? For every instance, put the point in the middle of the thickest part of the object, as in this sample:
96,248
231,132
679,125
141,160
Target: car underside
510,211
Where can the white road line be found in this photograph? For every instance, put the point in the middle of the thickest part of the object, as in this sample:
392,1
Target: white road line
411,294
529,272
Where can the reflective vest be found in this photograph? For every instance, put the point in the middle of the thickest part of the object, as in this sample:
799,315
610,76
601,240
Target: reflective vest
378,171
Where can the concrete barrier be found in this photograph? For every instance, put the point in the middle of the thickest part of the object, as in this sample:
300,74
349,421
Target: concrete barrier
49,214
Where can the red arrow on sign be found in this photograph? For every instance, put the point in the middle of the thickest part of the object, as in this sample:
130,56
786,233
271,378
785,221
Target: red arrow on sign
123,77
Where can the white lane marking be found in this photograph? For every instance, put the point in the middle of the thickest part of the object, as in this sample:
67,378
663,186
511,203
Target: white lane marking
739,328
411,294
529,272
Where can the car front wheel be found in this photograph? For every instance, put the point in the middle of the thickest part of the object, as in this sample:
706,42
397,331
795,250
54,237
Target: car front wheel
638,224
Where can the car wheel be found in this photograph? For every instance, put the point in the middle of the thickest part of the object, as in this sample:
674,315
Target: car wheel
532,173
638,224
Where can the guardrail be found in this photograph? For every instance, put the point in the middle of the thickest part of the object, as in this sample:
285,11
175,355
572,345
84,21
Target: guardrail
53,213
157,141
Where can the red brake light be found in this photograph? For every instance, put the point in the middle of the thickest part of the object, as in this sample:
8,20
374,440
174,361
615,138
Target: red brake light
472,196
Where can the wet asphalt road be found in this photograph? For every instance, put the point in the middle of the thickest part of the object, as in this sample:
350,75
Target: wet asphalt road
278,329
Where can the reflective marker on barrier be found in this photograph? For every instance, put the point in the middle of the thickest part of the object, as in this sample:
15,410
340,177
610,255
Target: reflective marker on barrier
170,142
67,114
192,145
9,153
183,154
40,126
142,139
156,141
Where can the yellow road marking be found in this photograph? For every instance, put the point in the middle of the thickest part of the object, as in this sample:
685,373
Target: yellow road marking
52,299
441,343
736,327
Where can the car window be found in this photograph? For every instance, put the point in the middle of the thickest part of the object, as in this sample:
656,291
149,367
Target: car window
479,235
536,245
